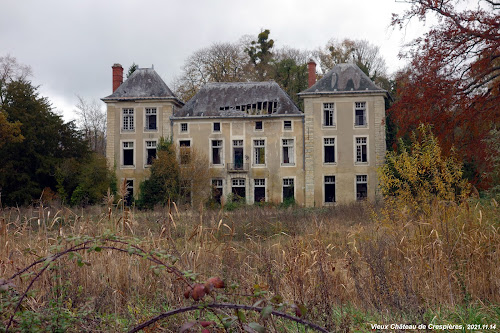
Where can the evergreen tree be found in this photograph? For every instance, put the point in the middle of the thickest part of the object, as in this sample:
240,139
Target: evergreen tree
29,166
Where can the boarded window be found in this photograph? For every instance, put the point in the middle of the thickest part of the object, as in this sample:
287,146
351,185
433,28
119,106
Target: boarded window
287,125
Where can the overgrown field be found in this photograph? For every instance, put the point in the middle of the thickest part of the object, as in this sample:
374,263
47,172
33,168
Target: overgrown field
105,269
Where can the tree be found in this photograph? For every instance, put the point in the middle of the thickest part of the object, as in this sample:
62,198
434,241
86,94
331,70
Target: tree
29,166
221,62
260,54
452,81
163,184
132,69
419,173
92,121
360,52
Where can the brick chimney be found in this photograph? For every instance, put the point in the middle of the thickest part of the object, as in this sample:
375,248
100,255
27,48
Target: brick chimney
311,69
117,76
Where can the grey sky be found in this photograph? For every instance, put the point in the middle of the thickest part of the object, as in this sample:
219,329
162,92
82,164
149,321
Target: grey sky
72,44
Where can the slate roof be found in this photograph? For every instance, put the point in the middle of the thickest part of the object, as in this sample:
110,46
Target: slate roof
343,78
231,96
144,83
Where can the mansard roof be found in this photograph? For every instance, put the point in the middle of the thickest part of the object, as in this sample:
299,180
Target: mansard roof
144,84
239,99
342,79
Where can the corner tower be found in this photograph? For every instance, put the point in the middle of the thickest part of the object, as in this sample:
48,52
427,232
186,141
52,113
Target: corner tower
344,137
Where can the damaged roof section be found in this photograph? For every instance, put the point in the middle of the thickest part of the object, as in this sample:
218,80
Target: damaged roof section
239,99
343,78
144,83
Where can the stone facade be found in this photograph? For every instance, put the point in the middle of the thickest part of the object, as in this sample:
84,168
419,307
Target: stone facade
258,144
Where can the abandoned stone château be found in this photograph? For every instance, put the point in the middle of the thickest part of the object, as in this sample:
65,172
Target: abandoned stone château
260,146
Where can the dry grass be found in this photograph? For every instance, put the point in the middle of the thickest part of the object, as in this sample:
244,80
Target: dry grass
379,259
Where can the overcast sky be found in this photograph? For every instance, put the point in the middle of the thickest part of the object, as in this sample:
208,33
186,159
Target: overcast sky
72,44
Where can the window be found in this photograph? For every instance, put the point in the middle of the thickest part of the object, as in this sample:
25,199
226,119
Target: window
258,125
185,192
185,151
288,154
184,127
328,114
288,189
216,152
238,189
128,119
360,114
361,187
150,152
217,190
129,197
329,150
128,154
150,124
216,127
259,152
329,188
287,125
259,190
238,155
361,150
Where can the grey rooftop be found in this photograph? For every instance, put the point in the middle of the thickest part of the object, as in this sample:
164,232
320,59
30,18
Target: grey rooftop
144,83
343,78
239,99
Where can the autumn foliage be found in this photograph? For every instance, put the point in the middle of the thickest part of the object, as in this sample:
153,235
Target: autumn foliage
452,81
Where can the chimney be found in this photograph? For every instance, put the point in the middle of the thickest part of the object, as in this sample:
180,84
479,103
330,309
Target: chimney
311,69
117,76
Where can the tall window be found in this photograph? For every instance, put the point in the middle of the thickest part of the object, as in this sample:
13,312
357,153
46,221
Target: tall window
329,188
128,154
217,190
216,152
361,187
185,151
361,150
329,149
259,190
150,152
128,119
259,152
288,154
150,124
238,189
288,185
360,114
328,114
